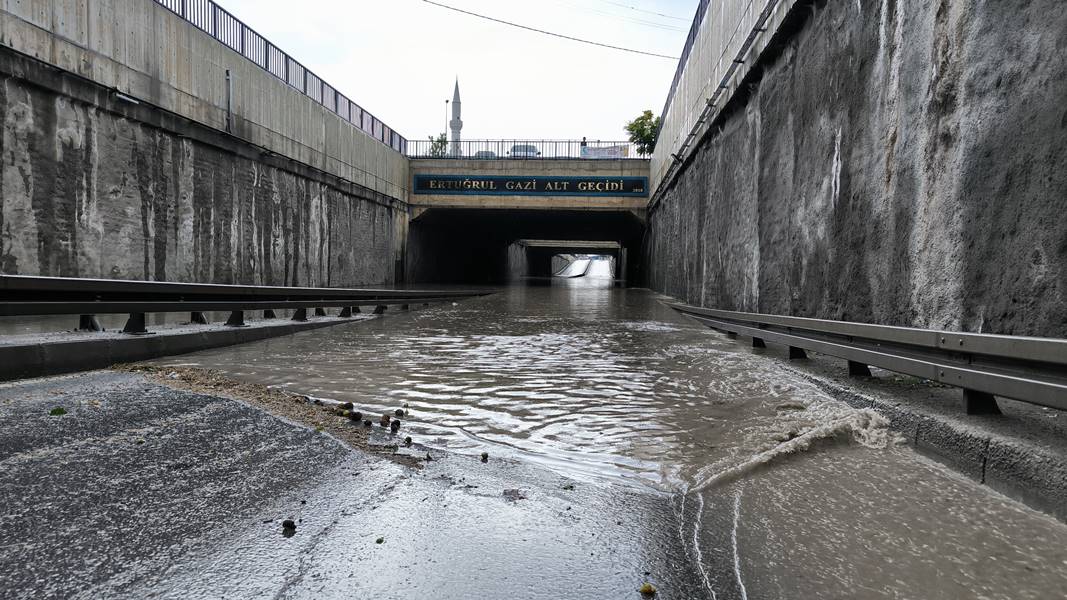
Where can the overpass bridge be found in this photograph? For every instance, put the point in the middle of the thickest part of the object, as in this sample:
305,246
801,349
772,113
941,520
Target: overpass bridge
555,191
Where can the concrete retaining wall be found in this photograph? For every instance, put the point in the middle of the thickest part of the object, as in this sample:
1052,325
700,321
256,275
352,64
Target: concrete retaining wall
141,49
900,162
708,74
98,188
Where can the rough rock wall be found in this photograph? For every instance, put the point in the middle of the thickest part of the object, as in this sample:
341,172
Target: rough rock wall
87,193
901,162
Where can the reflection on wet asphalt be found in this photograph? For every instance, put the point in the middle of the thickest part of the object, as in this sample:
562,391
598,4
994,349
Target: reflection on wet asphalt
647,448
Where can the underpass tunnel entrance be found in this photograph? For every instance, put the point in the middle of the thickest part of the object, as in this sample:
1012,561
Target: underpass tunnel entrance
566,258
495,246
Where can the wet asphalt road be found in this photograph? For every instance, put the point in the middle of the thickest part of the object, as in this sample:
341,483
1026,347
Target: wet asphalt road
141,491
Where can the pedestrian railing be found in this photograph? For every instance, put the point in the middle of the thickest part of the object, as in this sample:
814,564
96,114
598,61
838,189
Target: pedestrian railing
1031,369
231,31
27,296
524,149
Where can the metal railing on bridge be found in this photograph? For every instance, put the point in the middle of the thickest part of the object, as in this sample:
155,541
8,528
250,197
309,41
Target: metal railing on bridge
231,31
1031,369
524,149
31,296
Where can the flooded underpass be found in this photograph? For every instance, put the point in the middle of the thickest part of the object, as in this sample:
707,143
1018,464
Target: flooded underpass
748,481
625,444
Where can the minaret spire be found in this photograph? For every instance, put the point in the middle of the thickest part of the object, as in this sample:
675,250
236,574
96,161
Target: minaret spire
456,124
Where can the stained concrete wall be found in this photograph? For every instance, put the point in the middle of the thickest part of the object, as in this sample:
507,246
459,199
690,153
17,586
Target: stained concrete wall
899,161
144,50
518,266
98,188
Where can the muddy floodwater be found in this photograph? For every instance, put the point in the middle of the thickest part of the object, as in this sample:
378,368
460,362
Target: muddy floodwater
779,490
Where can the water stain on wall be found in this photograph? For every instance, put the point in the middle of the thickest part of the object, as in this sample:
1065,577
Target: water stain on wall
905,166
87,193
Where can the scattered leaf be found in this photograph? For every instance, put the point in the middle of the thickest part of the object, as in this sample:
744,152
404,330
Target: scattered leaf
58,411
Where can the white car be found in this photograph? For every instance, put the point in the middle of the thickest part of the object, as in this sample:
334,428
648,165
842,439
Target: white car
524,151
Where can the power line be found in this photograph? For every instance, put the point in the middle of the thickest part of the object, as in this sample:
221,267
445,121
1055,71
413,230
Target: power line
559,35
650,12
621,17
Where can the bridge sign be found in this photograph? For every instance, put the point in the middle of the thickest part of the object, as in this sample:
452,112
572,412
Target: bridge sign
530,185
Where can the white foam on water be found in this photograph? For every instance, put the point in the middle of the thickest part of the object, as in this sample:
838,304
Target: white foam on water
733,541
863,426
697,522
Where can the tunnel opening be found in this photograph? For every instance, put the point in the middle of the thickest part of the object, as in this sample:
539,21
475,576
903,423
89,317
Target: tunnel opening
565,259
596,266
495,246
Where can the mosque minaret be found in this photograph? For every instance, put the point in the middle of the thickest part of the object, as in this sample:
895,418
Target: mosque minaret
455,124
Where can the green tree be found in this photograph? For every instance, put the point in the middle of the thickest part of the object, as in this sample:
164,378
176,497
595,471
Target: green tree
438,146
643,131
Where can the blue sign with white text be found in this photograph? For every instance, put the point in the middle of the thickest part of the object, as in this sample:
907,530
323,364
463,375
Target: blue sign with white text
519,185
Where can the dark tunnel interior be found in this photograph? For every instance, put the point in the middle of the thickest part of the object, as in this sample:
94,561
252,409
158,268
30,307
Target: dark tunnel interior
470,246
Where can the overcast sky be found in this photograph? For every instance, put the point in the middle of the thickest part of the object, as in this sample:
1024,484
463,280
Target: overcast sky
399,59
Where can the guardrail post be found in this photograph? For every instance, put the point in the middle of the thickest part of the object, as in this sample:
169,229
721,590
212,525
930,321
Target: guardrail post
758,343
346,312
979,403
796,353
320,312
88,323
135,324
269,314
858,369
300,314
355,310
198,318
379,309
237,319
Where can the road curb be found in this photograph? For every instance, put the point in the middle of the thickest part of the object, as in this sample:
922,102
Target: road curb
22,361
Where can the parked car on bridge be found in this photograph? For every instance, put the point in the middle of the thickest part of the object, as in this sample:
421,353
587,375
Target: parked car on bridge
524,151
485,154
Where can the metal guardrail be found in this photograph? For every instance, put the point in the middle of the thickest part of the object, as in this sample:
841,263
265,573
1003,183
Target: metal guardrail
29,296
1030,369
231,31
524,149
